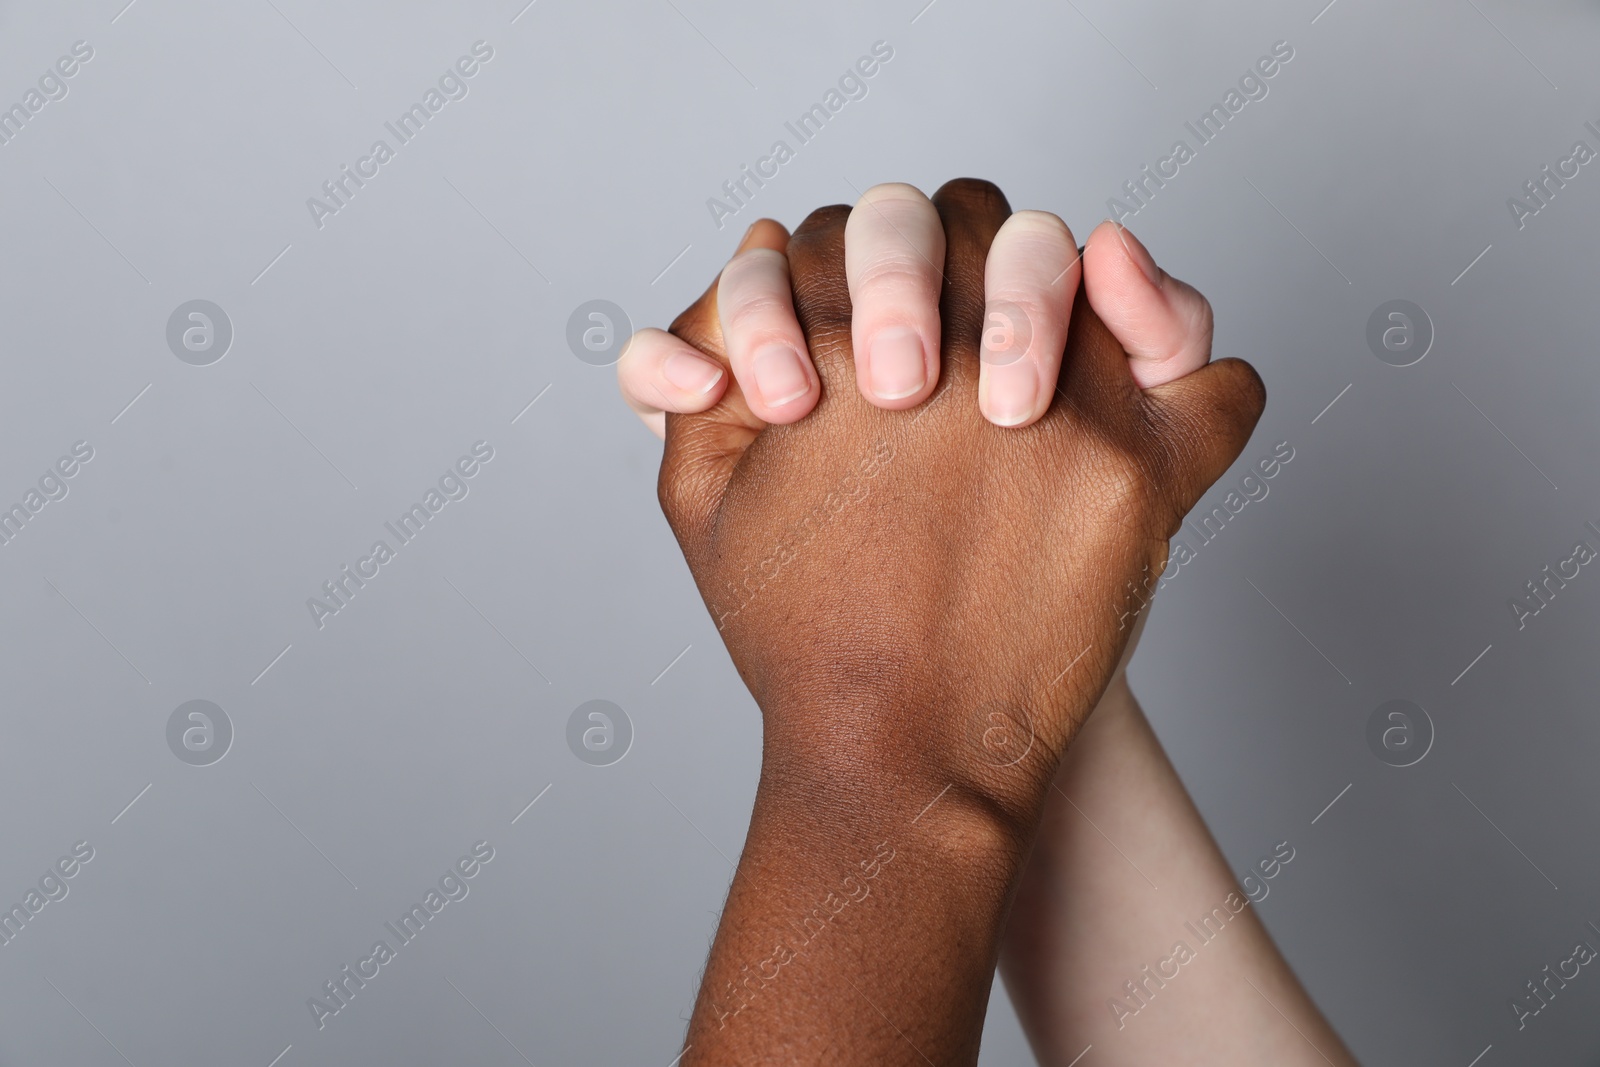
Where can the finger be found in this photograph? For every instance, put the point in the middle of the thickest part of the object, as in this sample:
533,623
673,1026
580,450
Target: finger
763,339
1208,417
1030,280
1164,324
703,447
894,253
699,323
972,212
821,302
642,370
659,373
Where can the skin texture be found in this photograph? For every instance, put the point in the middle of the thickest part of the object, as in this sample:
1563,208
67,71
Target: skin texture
900,590
1103,895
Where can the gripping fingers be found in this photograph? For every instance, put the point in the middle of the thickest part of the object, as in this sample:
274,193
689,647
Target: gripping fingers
768,352
894,257
685,372
660,373
1164,324
1030,280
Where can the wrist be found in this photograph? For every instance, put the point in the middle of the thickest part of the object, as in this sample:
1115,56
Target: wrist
889,833
862,860
886,765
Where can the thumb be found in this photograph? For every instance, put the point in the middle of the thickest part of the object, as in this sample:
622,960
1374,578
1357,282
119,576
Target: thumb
1207,418
703,448
1164,324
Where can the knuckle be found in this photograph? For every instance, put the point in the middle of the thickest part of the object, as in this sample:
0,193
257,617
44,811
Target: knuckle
893,191
975,193
895,274
697,324
757,312
1032,262
1253,399
634,354
886,192
1020,310
757,267
1038,225
817,270
679,495
822,225
821,306
1244,387
669,494
1202,320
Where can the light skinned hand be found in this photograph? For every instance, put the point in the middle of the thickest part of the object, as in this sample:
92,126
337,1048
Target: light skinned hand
894,260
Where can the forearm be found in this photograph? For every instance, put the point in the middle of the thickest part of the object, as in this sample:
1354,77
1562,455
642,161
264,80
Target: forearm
1088,920
863,923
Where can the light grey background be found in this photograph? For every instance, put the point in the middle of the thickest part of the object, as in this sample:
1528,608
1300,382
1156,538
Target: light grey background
427,314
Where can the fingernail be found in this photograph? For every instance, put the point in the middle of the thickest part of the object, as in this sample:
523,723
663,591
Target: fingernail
1140,255
779,373
896,366
1010,391
747,233
691,373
